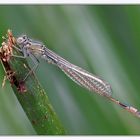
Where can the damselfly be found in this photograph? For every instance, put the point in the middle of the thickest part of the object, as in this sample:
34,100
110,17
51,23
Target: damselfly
35,49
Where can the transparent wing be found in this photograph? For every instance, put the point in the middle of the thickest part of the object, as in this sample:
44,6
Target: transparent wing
79,75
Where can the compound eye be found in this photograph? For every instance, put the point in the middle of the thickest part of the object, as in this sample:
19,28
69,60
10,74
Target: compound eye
21,39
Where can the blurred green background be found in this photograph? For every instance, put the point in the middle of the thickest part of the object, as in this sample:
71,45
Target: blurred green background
105,40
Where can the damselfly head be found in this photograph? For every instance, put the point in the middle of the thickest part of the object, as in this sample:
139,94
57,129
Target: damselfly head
21,40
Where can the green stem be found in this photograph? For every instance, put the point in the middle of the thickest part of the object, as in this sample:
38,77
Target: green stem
33,98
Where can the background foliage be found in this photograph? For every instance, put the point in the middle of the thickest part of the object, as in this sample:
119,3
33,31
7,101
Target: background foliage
101,39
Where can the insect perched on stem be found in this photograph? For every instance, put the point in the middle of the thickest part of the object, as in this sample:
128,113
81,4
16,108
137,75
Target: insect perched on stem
35,49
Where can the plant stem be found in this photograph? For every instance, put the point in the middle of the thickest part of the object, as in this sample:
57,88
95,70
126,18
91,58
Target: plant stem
32,97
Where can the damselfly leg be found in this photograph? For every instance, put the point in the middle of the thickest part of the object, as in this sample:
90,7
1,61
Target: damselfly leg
24,56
